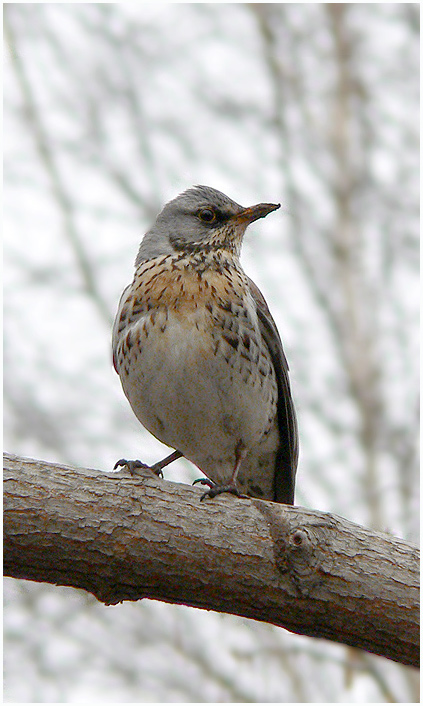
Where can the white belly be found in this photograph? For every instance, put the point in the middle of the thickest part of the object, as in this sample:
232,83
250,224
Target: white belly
194,395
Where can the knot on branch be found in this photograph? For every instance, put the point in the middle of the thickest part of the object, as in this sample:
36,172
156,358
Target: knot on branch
299,537
304,556
299,551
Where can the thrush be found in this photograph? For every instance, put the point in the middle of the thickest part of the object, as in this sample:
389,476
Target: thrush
199,355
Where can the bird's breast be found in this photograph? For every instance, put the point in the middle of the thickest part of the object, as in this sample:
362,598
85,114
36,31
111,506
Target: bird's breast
184,285
203,308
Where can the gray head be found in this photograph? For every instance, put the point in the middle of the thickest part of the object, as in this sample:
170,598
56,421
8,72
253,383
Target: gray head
198,220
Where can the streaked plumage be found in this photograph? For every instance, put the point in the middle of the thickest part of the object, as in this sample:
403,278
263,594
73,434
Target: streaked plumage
198,353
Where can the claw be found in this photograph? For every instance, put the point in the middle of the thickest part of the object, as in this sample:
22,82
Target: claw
132,467
156,468
215,489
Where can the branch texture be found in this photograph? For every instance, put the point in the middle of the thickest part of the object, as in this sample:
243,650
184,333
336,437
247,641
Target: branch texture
124,538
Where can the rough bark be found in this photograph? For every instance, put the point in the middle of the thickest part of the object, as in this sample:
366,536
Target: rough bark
124,538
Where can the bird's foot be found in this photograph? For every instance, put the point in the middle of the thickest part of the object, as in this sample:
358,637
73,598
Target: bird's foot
133,467
215,489
157,468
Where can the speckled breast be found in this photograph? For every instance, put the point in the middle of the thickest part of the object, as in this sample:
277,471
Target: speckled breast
191,358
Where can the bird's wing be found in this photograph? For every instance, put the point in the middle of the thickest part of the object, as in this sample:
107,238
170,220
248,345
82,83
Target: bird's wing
286,458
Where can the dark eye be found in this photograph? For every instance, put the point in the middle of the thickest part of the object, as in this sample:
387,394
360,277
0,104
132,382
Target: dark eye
207,215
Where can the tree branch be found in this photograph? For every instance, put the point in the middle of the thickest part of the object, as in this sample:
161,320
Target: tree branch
124,538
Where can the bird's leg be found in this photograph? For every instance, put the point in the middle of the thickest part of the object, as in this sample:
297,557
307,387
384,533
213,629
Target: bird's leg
132,466
215,489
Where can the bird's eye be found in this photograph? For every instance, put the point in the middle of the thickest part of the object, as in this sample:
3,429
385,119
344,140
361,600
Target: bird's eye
207,215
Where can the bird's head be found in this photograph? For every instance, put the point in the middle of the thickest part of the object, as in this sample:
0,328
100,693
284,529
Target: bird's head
200,219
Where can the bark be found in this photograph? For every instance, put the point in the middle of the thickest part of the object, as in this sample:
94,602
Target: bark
125,538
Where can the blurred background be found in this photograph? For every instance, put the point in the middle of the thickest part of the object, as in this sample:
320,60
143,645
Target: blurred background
110,111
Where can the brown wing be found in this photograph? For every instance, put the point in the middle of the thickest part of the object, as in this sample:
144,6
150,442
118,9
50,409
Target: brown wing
286,458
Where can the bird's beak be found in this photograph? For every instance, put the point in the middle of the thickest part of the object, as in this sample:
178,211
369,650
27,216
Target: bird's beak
253,213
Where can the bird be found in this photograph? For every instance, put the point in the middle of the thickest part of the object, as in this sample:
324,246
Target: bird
199,355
